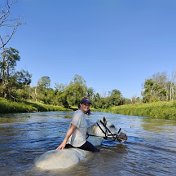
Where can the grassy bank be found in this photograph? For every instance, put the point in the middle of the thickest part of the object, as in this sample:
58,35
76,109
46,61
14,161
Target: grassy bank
160,110
7,106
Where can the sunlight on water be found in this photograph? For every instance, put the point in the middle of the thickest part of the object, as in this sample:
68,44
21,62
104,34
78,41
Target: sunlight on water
150,149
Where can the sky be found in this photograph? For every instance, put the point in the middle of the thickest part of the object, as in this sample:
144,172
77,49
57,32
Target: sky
112,44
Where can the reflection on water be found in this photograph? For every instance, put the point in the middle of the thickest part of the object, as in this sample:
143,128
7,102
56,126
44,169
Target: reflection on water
150,149
158,125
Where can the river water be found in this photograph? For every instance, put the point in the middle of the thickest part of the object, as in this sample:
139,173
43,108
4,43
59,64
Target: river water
150,149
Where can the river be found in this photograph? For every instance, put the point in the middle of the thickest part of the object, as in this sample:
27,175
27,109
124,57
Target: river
150,149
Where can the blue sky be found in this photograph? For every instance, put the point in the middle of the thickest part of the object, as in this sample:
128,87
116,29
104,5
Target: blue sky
112,44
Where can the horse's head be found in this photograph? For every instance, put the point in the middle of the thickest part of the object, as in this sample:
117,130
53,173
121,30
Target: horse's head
107,130
102,128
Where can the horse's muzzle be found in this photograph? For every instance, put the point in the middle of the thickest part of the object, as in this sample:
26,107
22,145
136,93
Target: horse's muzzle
121,137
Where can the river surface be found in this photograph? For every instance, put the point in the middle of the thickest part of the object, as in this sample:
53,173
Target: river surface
150,149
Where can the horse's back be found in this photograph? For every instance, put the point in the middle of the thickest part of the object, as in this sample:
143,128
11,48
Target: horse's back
60,159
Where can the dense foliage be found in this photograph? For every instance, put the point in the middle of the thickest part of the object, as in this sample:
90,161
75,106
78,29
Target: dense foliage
159,88
162,110
7,106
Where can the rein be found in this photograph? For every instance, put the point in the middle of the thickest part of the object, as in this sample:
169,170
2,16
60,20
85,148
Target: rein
114,136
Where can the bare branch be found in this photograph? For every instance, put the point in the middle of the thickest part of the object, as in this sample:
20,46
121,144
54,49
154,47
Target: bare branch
4,43
9,25
4,15
8,5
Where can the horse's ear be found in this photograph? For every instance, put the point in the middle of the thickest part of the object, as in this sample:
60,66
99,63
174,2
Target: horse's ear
104,120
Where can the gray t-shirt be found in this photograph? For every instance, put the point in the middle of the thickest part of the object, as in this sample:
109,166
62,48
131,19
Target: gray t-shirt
78,138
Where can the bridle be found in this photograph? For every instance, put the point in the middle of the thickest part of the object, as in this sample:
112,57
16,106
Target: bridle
107,132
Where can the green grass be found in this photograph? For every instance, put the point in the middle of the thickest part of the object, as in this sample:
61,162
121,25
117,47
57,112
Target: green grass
7,106
159,110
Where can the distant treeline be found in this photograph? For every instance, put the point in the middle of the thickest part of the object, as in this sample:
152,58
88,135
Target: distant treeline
15,86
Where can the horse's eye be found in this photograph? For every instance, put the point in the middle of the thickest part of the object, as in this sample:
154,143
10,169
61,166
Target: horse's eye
112,126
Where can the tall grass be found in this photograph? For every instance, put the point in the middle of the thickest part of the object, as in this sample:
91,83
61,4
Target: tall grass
160,110
7,106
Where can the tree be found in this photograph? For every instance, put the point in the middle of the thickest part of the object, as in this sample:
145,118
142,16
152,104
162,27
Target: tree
155,89
60,87
96,102
149,91
115,98
8,25
42,88
23,78
161,81
135,100
76,90
90,93
78,79
44,82
171,87
7,69
9,58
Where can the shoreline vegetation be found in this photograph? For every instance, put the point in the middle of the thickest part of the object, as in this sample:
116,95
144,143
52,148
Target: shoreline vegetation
7,106
158,110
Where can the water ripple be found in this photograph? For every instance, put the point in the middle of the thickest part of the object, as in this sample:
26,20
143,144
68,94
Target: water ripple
150,149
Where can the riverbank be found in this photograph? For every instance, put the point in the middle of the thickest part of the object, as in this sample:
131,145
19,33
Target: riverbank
158,110
7,106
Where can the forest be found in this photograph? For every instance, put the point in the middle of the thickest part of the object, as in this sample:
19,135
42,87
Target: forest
15,85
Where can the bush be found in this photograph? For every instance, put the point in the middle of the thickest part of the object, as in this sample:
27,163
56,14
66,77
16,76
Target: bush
7,106
163,110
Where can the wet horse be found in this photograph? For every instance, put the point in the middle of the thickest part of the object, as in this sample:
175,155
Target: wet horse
62,159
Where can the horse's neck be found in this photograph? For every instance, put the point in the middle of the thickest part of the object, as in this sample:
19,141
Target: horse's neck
95,135
95,131
99,130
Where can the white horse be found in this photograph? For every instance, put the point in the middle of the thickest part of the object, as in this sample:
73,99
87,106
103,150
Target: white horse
62,159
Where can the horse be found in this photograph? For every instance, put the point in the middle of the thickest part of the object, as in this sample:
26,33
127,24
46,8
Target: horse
66,158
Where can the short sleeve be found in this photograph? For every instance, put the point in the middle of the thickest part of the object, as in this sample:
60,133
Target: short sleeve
76,120
89,123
